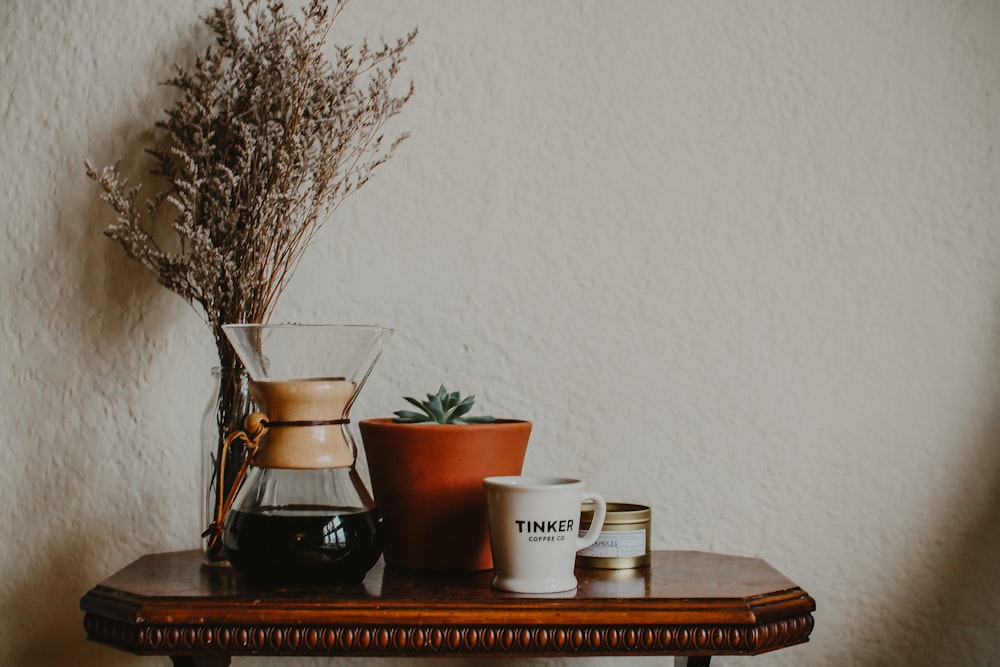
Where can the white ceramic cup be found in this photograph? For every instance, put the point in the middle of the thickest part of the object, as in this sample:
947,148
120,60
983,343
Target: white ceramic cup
534,531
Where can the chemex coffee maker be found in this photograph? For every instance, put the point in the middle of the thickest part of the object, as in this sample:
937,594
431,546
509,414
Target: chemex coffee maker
299,514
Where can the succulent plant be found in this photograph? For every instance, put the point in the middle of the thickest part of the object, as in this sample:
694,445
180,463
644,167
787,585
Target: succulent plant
441,408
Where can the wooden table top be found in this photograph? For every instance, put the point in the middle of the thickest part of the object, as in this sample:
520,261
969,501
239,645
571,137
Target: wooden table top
684,603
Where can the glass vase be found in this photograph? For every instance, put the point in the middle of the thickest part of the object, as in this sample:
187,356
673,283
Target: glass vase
227,408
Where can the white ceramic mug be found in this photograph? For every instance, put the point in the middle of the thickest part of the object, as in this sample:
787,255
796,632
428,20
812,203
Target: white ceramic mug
534,531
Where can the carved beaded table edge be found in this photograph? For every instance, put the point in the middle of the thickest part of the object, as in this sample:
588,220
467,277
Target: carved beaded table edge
685,603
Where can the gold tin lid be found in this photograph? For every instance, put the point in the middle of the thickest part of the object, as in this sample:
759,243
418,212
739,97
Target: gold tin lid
617,513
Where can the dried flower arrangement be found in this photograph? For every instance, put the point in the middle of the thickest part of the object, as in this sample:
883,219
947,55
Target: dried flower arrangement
267,138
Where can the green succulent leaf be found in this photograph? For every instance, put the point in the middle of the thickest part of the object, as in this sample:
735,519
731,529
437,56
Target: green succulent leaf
410,417
436,409
461,408
414,401
480,419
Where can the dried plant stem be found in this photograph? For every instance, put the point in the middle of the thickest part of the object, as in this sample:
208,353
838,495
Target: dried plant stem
268,135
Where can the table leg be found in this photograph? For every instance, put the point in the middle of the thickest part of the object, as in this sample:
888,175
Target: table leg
693,661
200,660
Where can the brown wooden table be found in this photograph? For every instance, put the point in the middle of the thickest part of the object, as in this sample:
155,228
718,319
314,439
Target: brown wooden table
685,603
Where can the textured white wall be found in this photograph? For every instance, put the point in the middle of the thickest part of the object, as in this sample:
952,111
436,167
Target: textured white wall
737,260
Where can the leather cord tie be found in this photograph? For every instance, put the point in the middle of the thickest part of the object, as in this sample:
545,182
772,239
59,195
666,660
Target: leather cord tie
317,422
255,426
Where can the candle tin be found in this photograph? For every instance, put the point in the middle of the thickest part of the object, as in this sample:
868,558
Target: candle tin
624,540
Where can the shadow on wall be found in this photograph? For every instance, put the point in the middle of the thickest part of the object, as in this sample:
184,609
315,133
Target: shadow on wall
44,609
81,493
950,603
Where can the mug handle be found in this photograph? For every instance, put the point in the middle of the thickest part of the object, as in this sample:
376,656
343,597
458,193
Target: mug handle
600,510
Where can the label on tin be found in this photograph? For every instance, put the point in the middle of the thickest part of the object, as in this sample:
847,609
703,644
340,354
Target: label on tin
618,544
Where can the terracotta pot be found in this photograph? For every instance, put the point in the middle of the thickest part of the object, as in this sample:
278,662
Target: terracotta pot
427,480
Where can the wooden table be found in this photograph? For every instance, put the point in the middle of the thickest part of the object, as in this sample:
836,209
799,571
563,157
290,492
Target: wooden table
684,604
